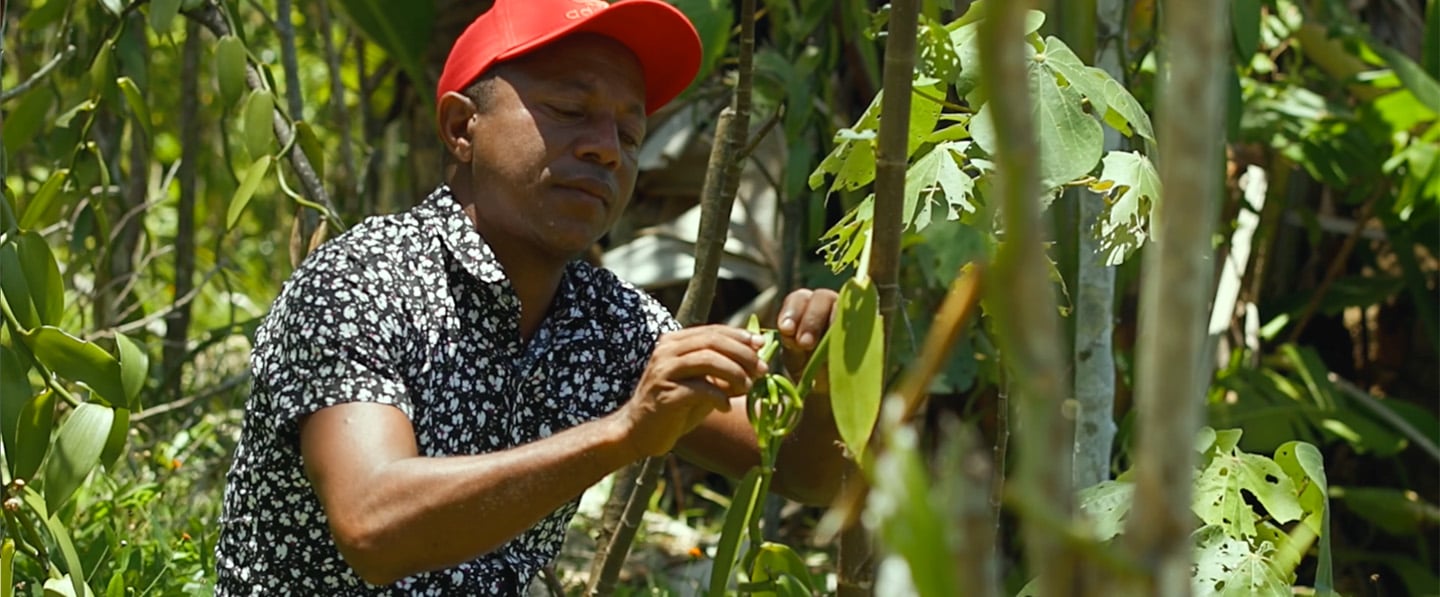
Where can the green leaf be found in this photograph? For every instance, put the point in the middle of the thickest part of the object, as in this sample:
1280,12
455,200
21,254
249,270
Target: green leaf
1072,141
115,441
1245,17
938,173
777,561
39,205
24,123
310,144
259,123
16,289
1106,505
1107,97
61,535
77,451
230,68
713,20
1227,567
162,14
114,6
1218,492
42,276
742,507
32,435
136,99
909,512
857,364
134,368
76,359
1420,83
248,183
1298,458
1131,188
403,29
15,395
852,162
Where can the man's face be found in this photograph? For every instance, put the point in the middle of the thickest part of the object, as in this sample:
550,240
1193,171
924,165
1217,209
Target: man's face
555,146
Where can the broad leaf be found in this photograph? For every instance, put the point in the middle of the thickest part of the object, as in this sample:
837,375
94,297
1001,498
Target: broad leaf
77,451
1069,140
162,14
1131,188
310,144
776,561
1303,461
230,68
115,442
134,368
248,183
857,364
1107,505
15,395
1245,18
1107,97
42,276
713,20
39,204
1218,492
1227,567
76,359
61,535
32,436
259,123
16,289
852,162
403,29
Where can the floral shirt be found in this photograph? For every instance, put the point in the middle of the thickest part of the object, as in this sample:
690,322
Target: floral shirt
413,310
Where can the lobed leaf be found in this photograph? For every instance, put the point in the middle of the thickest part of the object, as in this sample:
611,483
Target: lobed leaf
1131,188
1228,567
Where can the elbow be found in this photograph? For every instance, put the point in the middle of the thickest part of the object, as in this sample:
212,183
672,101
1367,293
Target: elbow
362,547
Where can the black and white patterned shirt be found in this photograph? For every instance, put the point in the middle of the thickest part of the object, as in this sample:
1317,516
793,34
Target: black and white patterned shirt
414,311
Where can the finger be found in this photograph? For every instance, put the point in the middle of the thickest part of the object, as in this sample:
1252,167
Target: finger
725,341
816,318
790,311
704,337
708,394
731,375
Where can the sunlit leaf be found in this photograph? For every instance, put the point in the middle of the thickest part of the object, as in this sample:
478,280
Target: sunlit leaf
1425,87
1106,505
776,561
1299,459
1131,188
39,204
248,183
314,151
1107,96
230,68
77,451
115,442
32,435
134,368
857,364
16,288
76,359
114,6
61,535
162,14
1227,567
1219,492
259,124
852,162
42,276
1070,141
136,99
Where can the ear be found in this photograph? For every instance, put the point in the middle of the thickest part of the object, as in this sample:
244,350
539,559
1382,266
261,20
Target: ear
453,117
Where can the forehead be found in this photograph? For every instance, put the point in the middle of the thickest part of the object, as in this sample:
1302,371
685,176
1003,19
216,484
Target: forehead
582,61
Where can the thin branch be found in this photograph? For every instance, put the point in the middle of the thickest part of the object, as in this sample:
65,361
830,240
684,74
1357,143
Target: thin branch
1337,264
131,326
1372,404
175,405
39,74
285,28
337,104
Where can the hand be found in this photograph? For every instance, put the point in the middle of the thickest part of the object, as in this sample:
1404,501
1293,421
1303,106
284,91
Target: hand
804,318
691,372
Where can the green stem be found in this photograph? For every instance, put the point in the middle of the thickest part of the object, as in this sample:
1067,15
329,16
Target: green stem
17,330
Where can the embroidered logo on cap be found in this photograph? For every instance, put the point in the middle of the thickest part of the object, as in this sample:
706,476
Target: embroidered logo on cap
587,8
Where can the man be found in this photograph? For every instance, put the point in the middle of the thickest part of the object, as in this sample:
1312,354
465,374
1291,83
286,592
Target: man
434,389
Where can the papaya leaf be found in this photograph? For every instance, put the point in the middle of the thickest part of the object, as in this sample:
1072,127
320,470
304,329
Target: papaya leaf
248,183
1069,140
1131,188
852,162
76,359
42,276
77,451
1106,505
1227,567
857,364
937,172
1219,500
1107,97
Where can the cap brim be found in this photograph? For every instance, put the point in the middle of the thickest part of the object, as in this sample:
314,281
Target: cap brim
657,33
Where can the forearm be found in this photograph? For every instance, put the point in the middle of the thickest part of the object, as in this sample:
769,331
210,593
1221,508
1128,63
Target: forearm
420,513
810,462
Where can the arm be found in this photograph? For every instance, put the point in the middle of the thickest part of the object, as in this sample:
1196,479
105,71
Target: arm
394,513
811,461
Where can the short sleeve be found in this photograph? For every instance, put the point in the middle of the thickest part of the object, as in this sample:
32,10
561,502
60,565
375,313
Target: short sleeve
336,335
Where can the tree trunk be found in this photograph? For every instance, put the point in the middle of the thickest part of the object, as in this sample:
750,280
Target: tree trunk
1095,293
177,323
1175,292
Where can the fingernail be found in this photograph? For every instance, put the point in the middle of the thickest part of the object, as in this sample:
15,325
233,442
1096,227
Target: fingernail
764,368
788,323
807,339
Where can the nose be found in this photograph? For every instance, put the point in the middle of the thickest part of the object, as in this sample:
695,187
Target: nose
600,143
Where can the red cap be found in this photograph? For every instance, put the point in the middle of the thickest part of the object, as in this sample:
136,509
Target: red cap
658,33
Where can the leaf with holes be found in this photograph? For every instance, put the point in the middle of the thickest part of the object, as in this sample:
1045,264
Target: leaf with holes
1107,97
1131,188
1227,567
937,178
852,162
1219,492
1106,505
1070,141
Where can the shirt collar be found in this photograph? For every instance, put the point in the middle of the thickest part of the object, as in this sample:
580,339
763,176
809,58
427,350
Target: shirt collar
443,214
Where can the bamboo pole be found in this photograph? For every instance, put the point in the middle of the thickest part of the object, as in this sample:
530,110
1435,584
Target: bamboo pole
1171,379
1023,304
